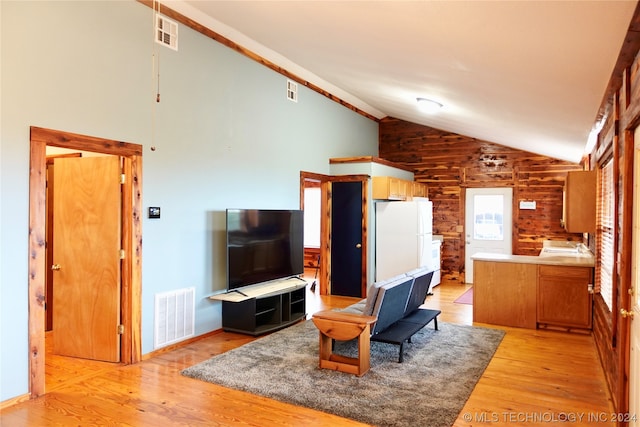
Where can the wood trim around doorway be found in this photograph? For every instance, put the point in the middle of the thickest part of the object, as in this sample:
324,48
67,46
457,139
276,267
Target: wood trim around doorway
325,183
324,267
131,236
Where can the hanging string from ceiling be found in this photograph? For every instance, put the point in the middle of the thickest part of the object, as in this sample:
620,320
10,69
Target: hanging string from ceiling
155,70
157,52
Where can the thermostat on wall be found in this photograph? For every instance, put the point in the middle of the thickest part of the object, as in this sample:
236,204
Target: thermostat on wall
154,212
528,204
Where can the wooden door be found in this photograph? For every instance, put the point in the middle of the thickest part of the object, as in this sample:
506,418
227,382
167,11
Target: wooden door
346,239
49,231
87,243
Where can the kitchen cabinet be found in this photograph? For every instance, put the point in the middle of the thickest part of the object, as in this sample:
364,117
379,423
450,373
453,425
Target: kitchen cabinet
504,293
579,202
565,296
546,292
419,189
391,188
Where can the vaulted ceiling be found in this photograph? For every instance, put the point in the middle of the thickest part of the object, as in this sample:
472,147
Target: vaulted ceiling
525,74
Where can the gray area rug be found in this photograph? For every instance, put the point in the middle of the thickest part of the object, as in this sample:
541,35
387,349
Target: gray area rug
429,388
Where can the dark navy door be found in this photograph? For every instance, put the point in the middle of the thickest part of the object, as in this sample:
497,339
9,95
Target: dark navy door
346,239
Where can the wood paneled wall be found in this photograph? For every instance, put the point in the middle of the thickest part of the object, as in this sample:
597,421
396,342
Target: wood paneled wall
449,163
621,115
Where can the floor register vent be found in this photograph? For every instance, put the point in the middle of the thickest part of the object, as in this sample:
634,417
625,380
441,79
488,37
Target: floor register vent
174,316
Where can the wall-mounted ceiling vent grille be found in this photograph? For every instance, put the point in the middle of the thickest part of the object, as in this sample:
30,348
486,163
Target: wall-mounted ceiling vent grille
166,32
292,91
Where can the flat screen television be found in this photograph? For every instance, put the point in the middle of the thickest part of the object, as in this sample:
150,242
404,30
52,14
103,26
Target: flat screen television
263,245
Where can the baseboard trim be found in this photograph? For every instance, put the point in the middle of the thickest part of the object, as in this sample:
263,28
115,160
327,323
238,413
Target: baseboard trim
14,401
180,344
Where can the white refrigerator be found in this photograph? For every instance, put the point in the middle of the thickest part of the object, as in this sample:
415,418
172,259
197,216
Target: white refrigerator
403,237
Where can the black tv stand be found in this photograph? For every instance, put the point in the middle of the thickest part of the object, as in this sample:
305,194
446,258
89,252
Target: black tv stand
264,308
235,290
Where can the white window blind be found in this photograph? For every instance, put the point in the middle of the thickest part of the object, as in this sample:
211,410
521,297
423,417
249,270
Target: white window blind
606,221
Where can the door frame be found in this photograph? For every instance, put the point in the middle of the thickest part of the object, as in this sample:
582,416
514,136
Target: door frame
632,358
324,268
626,285
325,224
131,287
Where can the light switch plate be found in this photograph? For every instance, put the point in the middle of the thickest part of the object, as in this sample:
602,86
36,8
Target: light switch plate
528,204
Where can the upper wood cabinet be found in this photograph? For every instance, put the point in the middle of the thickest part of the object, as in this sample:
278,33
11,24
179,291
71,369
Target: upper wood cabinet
579,202
391,188
419,189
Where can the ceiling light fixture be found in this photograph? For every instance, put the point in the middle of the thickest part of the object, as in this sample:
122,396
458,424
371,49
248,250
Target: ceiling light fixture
428,105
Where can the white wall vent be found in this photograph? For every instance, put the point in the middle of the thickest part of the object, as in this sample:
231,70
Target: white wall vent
292,91
166,32
174,316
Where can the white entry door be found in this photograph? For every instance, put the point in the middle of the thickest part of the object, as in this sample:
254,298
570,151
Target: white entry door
634,339
487,224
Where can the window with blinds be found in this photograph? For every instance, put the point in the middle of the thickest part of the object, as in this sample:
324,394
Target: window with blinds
605,233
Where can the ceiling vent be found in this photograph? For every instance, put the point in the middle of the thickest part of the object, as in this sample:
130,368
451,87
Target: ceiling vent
166,32
292,91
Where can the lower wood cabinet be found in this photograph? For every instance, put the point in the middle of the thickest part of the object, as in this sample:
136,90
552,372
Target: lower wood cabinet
504,293
527,295
565,297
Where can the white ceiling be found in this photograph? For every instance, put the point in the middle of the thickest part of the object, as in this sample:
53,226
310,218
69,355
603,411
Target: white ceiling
525,74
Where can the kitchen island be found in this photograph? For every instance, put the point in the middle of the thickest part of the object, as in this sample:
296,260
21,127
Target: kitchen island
553,290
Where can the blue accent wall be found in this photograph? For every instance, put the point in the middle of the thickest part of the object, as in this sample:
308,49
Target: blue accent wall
224,132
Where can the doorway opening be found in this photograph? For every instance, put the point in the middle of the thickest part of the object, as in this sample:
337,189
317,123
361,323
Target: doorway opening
314,196
131,241
329,259
312,217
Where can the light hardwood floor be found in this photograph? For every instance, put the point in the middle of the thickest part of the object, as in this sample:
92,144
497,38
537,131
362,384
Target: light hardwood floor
535,378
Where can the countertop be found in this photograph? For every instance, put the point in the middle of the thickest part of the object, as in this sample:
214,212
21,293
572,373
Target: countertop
570,260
